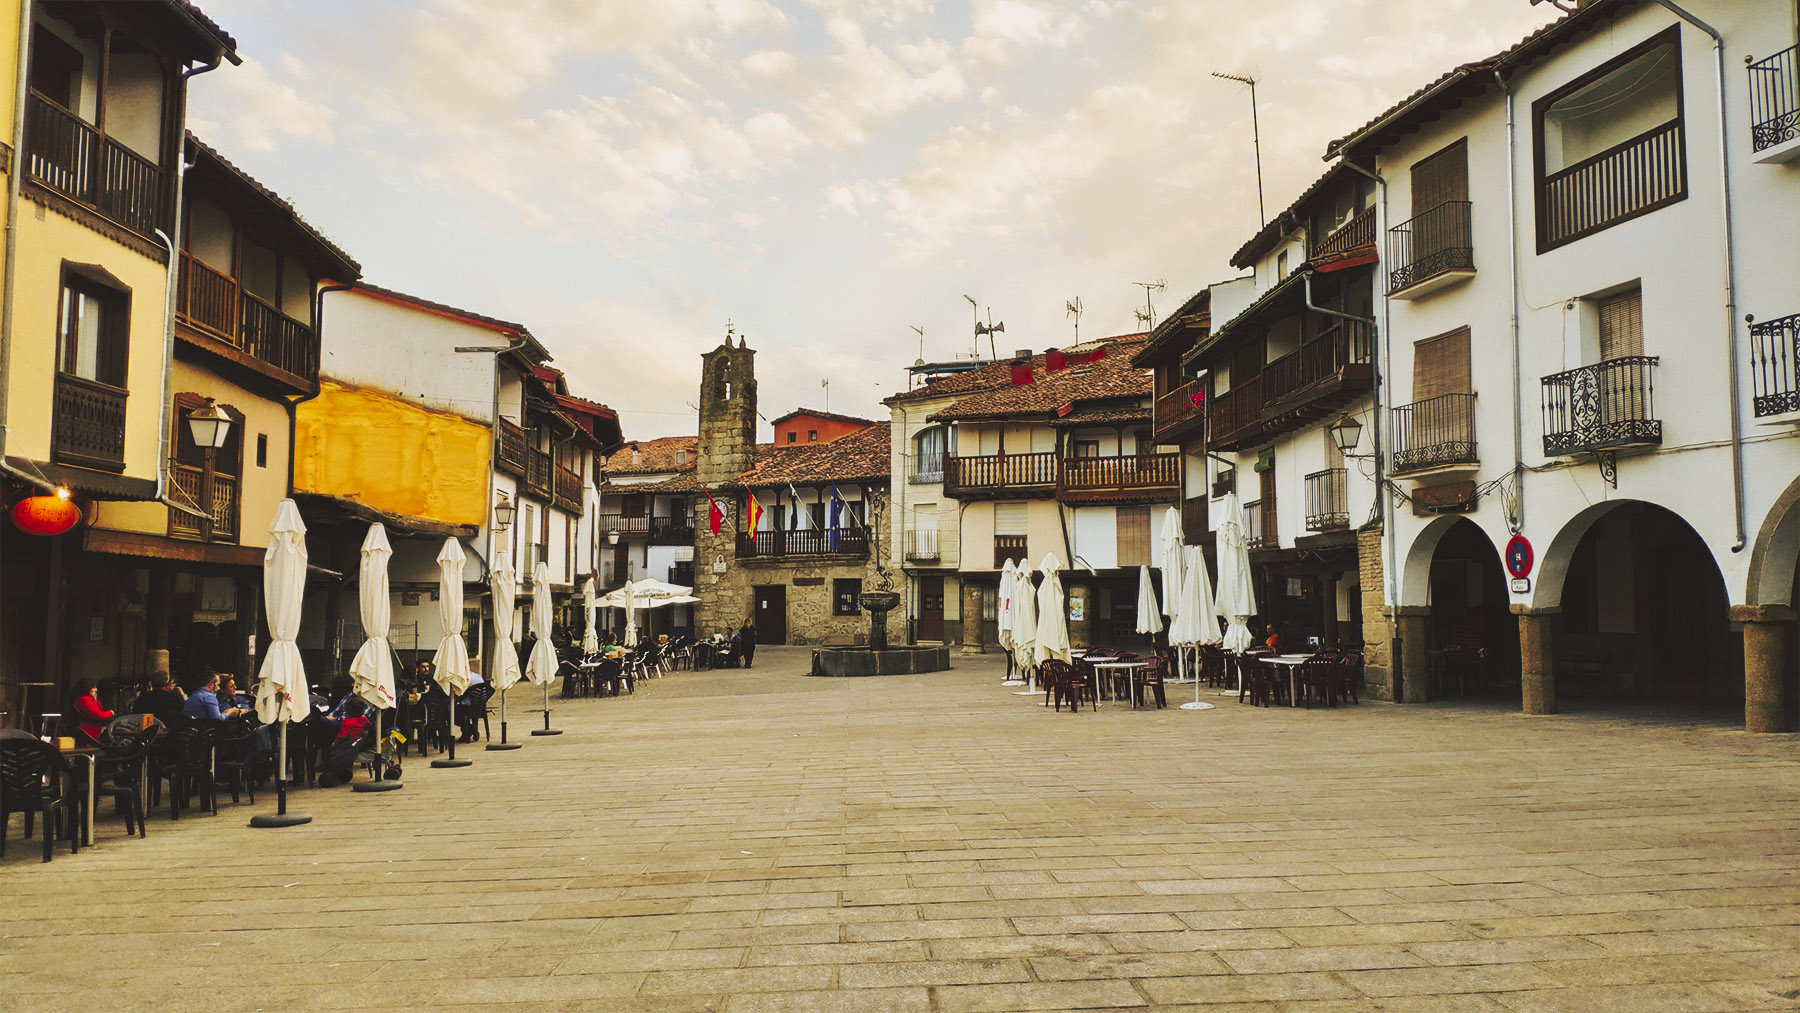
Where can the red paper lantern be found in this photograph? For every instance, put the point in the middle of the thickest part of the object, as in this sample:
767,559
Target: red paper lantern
45,515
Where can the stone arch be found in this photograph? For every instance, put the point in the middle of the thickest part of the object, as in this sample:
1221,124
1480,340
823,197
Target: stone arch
1415,569
722,377
1552,568
1775,552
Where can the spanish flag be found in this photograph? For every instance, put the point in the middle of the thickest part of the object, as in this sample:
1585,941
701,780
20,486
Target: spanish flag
755,511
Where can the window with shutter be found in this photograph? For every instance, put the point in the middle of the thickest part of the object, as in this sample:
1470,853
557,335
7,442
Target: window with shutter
1134,536
1441,177
1441,365
1622,325
1009,519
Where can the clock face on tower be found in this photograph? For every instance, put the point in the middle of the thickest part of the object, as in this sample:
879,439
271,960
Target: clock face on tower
1518,556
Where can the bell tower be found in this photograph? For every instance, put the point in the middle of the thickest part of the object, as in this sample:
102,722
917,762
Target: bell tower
727,449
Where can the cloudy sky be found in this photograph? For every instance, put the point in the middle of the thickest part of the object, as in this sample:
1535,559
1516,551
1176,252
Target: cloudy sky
626,177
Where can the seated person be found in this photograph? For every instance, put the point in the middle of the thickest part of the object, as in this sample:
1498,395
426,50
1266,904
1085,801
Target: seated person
230,695
471,706
353,737
1274,640
163,700
203,702
90,717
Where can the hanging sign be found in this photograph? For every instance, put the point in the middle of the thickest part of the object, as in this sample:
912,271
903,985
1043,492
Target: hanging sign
45,515
1518,556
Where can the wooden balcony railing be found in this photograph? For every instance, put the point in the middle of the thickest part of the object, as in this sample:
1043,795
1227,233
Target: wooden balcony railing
922,544
214,302
88,424
1775,366
677,530
278,339
1008,547
682,574
1433,433
1344,343
513,448
1235,411
1775,99
1327,503
1259,524
207,299
1601,407
639,525
73,158
538,471
1180,410
1121,473
189,482
812,542
1433,243
1622,182
1000,472
568,489
1358,232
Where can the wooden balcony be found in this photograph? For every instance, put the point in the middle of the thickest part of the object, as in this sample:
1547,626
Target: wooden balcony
1775,367
1605,406
567,491
1180,412
1353,238
1120,478
1433,250
513,448
70,156
1435,434
1627,180
1002,475
846,542
214,304
682,574
189,482
538,472
1333,363
1327,505
88,424
1236,418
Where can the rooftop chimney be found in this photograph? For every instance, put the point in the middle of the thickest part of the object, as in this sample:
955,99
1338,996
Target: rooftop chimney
1055,359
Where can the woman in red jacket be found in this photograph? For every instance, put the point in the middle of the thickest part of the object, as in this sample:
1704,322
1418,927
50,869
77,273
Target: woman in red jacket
89,715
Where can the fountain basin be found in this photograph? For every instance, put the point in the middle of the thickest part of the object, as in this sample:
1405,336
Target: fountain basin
862,661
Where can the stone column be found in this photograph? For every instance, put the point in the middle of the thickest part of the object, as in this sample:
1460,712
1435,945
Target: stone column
1412,625
1537,658
1766,671
971,611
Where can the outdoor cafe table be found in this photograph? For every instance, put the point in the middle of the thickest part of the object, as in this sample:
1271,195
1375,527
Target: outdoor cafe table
1131,668
1292,662
92,757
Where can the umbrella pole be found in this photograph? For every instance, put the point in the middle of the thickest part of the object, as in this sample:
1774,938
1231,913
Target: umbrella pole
379,783
281,817
546,730
1198,704
502,744
452,761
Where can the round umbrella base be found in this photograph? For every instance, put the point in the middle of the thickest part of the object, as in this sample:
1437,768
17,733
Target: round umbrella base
1195,705
546,731
1028,692
283,820
1013,682
451,763
494,747
365,786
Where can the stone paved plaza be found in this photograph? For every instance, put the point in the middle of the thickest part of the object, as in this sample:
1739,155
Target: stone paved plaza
756,841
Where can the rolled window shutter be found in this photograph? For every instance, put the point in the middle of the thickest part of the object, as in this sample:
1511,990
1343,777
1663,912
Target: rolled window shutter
1441,365
1134,536
1009,519
1622,325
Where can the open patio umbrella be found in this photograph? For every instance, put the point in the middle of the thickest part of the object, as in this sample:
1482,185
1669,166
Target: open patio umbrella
590,639
1003,618
1052,615
281,691
1148,622
1169,551
372,670
1024,623
541,667
502,582
1198,622
452,658
1236,599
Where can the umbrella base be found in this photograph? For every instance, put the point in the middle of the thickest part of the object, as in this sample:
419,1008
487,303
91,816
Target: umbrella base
1195,705
1028,692
365,786
451,763
546,731
494,747
267,820
1013,682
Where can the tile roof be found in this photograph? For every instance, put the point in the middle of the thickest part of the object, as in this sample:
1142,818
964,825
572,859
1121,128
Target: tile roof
199,18
993,375
653,456
1196,312
861,456
1111,376
347,267
684,482
827,416
505,326
1287,221
1102,416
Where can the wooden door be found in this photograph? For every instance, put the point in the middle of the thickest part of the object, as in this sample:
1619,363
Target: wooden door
931,608
1271,538
771,613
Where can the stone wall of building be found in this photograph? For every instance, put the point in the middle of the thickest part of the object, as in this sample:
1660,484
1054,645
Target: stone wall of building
1377,632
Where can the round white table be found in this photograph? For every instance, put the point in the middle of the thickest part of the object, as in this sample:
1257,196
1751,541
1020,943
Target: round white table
1292,662
1130,667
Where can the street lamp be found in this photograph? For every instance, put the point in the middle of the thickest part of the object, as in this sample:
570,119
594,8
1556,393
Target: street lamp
1346,434
211,429
503,514
612,537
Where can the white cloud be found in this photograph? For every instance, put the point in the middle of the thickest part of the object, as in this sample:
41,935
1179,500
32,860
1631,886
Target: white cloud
255,111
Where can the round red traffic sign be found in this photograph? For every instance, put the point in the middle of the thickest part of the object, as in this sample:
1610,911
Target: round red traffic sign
1518,556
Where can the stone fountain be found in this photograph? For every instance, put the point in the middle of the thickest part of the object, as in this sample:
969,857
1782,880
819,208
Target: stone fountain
877,657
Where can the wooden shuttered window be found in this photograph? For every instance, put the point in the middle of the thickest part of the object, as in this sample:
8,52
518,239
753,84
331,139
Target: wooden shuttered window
1622,325
1009,519
1440,178
1134,535
1441,365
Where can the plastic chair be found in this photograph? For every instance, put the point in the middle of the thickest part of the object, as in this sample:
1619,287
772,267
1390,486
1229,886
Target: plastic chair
120,775
32,775
189,765
1318,677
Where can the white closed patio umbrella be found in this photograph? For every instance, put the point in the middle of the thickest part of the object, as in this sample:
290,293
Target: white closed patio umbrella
540,668
1024,623
1052,615
590,638
1003,618
1236,597
281,691
1169,550
630,600
1197,623
1148,622
452,658
372,670
503,584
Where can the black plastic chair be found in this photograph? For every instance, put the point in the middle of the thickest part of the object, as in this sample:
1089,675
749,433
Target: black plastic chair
32,775
473,707
120,775
189,765
236,749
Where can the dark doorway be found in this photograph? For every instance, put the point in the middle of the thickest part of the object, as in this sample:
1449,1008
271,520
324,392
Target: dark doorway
771,613
931,608
1474,637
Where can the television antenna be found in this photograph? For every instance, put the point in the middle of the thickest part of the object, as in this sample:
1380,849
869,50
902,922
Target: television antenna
1073,306
990,328
1147,315
827,385
1255,136
921,332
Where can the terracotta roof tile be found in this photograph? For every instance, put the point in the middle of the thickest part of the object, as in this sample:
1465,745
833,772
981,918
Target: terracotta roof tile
827,416
1111,376
861,456
654,456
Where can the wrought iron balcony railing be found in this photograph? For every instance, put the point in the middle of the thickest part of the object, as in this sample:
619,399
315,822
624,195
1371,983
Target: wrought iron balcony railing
1775,366
1433,243
1434,433
1775,99
1327,501
1601,407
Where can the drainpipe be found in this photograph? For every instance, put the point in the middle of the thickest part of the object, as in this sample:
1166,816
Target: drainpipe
1731,339
1515,521
293,404
1381,352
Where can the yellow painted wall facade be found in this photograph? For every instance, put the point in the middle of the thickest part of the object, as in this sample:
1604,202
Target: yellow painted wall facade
392,455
